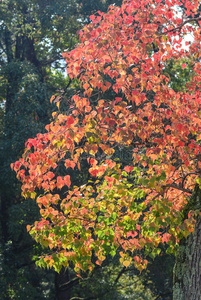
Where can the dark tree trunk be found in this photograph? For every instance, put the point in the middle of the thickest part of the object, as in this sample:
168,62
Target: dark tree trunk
10,92
61,285
8,45
4,217
187,270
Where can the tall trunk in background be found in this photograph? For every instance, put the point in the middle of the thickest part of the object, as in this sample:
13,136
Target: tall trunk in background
10,92
187,270
62,290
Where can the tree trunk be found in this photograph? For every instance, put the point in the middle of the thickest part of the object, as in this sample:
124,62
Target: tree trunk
61,287
187,270
4,217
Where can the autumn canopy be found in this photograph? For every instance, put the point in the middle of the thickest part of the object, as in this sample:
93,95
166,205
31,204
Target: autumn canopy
126,104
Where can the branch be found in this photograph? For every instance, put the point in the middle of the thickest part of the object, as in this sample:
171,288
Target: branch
47,62
69,83
184,178
162,295
69,284
182,24
123,270
119,275
175,186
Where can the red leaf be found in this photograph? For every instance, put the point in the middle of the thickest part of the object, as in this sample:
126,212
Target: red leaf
92,17
128,169
60,182
70,120
67,180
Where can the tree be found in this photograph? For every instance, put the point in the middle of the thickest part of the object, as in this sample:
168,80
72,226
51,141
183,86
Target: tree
33,34
130,204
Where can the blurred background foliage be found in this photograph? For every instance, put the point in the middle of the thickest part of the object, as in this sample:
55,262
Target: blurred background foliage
33,35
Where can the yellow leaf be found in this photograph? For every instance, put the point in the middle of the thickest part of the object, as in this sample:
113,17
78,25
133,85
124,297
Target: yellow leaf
126,263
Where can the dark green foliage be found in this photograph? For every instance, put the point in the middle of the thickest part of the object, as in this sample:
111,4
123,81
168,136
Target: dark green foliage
113,282
159,276
178,75
94,6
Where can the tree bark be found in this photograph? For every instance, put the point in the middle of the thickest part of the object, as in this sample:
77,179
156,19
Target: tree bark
187,270
62,290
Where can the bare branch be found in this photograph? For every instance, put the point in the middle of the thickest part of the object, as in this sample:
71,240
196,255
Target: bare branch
178,187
